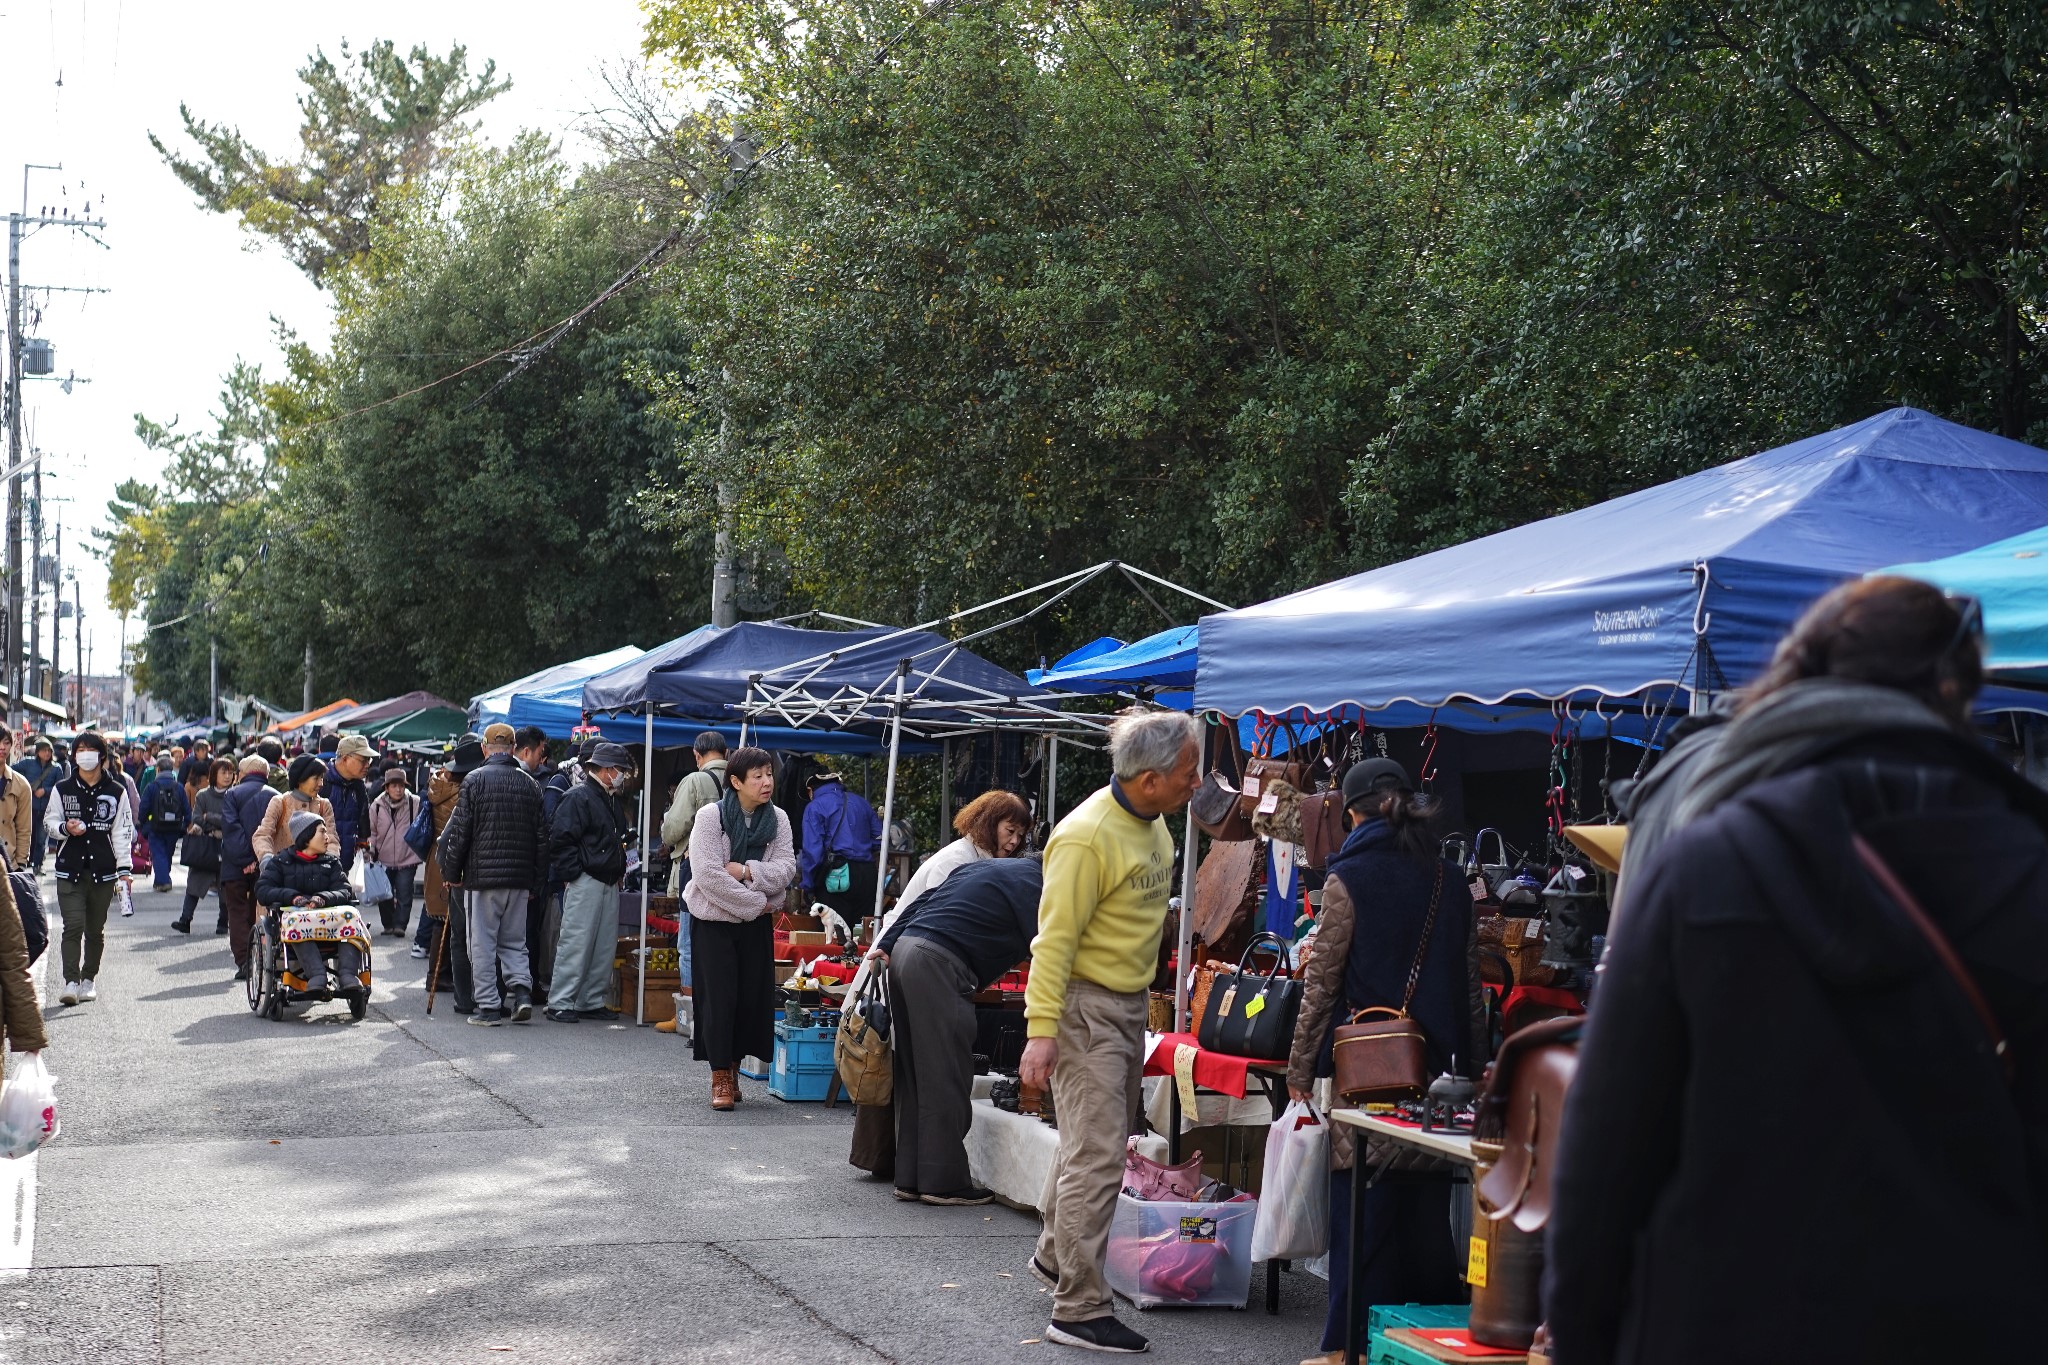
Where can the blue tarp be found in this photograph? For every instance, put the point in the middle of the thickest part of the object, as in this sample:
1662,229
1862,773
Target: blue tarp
2010,580
708,673
1162,661
1603,601
494,706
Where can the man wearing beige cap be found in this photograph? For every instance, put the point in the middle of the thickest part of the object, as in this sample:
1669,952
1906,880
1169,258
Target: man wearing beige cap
493,850
344,790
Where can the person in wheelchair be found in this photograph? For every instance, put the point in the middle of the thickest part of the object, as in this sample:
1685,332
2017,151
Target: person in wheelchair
308,876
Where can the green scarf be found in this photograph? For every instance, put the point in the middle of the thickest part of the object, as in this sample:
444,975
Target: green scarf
749,835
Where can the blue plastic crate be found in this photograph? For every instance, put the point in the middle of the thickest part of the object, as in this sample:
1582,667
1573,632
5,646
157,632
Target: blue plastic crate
806,1048
1383,1316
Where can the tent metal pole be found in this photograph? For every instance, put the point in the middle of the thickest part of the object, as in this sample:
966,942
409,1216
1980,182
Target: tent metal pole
1052,781
646,833
889,790
1184,939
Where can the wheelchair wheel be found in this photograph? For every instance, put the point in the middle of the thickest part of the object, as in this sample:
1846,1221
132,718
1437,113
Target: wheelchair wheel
265,989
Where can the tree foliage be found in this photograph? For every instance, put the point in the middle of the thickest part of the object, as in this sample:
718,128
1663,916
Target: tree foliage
369,125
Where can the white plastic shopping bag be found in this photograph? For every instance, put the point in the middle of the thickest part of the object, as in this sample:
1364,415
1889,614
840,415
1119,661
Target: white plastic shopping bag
28,1107
376,884
1294,1200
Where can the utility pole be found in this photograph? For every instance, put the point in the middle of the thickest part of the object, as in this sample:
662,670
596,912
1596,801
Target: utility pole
724,611
78,639
16,224
309,677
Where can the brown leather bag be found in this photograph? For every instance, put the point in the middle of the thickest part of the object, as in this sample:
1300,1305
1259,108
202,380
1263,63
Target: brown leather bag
1387,1060
1215,807
1262,771
1514,1135
1226,889
1322,827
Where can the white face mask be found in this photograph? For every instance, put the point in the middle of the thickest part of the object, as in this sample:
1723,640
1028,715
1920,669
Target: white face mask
88,761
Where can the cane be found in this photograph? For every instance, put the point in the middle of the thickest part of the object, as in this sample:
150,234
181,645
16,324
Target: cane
433,973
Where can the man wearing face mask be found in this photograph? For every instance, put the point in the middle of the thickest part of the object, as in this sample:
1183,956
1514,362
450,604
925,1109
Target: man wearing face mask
93,829
587,853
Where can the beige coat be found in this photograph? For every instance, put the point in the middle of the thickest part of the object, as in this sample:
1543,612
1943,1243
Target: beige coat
21,1010
275,833
17,816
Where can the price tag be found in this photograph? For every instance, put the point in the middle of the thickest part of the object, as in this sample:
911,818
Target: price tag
1184,1081
1251,784
1258,1003
1475,1264
1269,803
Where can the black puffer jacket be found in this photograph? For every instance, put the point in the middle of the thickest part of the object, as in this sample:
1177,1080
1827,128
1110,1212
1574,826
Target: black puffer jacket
1787,1130
493,841
287,876
588,836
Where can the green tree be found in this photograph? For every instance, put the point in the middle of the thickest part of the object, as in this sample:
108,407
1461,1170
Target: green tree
369,126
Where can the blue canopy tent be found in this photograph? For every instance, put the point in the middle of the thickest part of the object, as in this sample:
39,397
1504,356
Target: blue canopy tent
2009,579
1158,664
495,706
1658,598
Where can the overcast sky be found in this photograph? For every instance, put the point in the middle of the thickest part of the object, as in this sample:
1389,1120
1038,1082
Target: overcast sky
87,80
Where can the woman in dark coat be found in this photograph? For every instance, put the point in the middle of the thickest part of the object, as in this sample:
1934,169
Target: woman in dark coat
1389,887
201,853
1790,1136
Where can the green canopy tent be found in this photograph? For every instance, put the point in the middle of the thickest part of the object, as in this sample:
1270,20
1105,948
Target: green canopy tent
415,727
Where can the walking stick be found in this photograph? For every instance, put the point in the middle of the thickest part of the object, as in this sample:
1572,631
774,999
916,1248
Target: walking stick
440,946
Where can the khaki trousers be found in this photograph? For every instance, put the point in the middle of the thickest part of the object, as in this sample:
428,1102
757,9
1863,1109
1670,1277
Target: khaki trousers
1095,1099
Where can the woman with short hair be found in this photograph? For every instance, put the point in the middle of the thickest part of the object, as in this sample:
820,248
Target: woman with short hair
742,864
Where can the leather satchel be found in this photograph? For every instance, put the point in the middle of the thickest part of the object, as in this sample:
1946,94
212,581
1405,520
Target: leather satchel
1215,807
860,1049
1387,1060
1262,771
1226,890
1518,1111
1248,1015
1322,827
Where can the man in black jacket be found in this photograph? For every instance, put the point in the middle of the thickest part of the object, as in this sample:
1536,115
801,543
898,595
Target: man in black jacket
492,850
587,852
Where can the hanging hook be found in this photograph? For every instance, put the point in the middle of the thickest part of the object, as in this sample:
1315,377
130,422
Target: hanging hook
1701,617
1427,774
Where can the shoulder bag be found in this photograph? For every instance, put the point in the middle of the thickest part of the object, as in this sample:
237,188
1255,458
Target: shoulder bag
28,903
419,835
1215,807
1249,1015
1387,1059
860,1049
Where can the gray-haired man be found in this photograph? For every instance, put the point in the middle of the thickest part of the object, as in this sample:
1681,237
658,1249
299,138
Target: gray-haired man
1108,872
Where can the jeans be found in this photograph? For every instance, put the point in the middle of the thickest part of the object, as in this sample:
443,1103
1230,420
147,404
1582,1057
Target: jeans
397,911
84,906
163,854
39,837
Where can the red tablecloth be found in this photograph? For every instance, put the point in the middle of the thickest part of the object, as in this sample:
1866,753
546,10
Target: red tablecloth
1217,1071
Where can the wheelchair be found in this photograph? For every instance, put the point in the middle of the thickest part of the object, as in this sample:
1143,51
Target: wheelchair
274,981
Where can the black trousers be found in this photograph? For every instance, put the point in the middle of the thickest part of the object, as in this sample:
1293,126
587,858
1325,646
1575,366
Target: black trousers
732,970
543,927
455,954
931,1008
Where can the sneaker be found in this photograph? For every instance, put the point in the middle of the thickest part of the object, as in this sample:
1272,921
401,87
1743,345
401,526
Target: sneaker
563,1016
86,991
418,951
966,1198
522,1008
70,995
1098,1334
183,926
1044,1274
488,1019
597,1014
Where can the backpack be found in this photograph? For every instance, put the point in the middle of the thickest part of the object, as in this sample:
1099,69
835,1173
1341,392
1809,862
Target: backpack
162,815
419,835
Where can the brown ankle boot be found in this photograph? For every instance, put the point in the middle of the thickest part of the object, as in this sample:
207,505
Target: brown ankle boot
725,1089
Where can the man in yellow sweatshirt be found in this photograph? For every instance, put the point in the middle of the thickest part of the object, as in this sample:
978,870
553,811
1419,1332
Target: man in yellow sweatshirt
1108,875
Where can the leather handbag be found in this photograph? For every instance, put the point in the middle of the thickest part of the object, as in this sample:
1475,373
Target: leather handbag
1150,1180
1227,887
1215,807
1248,1015
1262,771
860,1049
1322,827
1514,1136
1387,1060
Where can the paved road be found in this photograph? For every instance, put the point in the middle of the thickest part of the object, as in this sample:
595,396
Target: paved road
410,1188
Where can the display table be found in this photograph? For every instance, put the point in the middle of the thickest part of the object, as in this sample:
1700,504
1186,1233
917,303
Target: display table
1452,1146
1012,1154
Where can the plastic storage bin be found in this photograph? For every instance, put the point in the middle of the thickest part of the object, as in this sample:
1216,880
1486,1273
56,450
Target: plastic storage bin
1382,1318
1165,1254
802,1068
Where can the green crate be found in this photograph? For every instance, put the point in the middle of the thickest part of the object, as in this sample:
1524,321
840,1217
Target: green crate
1385,1352
1382,1317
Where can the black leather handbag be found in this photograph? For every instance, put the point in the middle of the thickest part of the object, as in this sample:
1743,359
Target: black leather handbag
1248,1015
